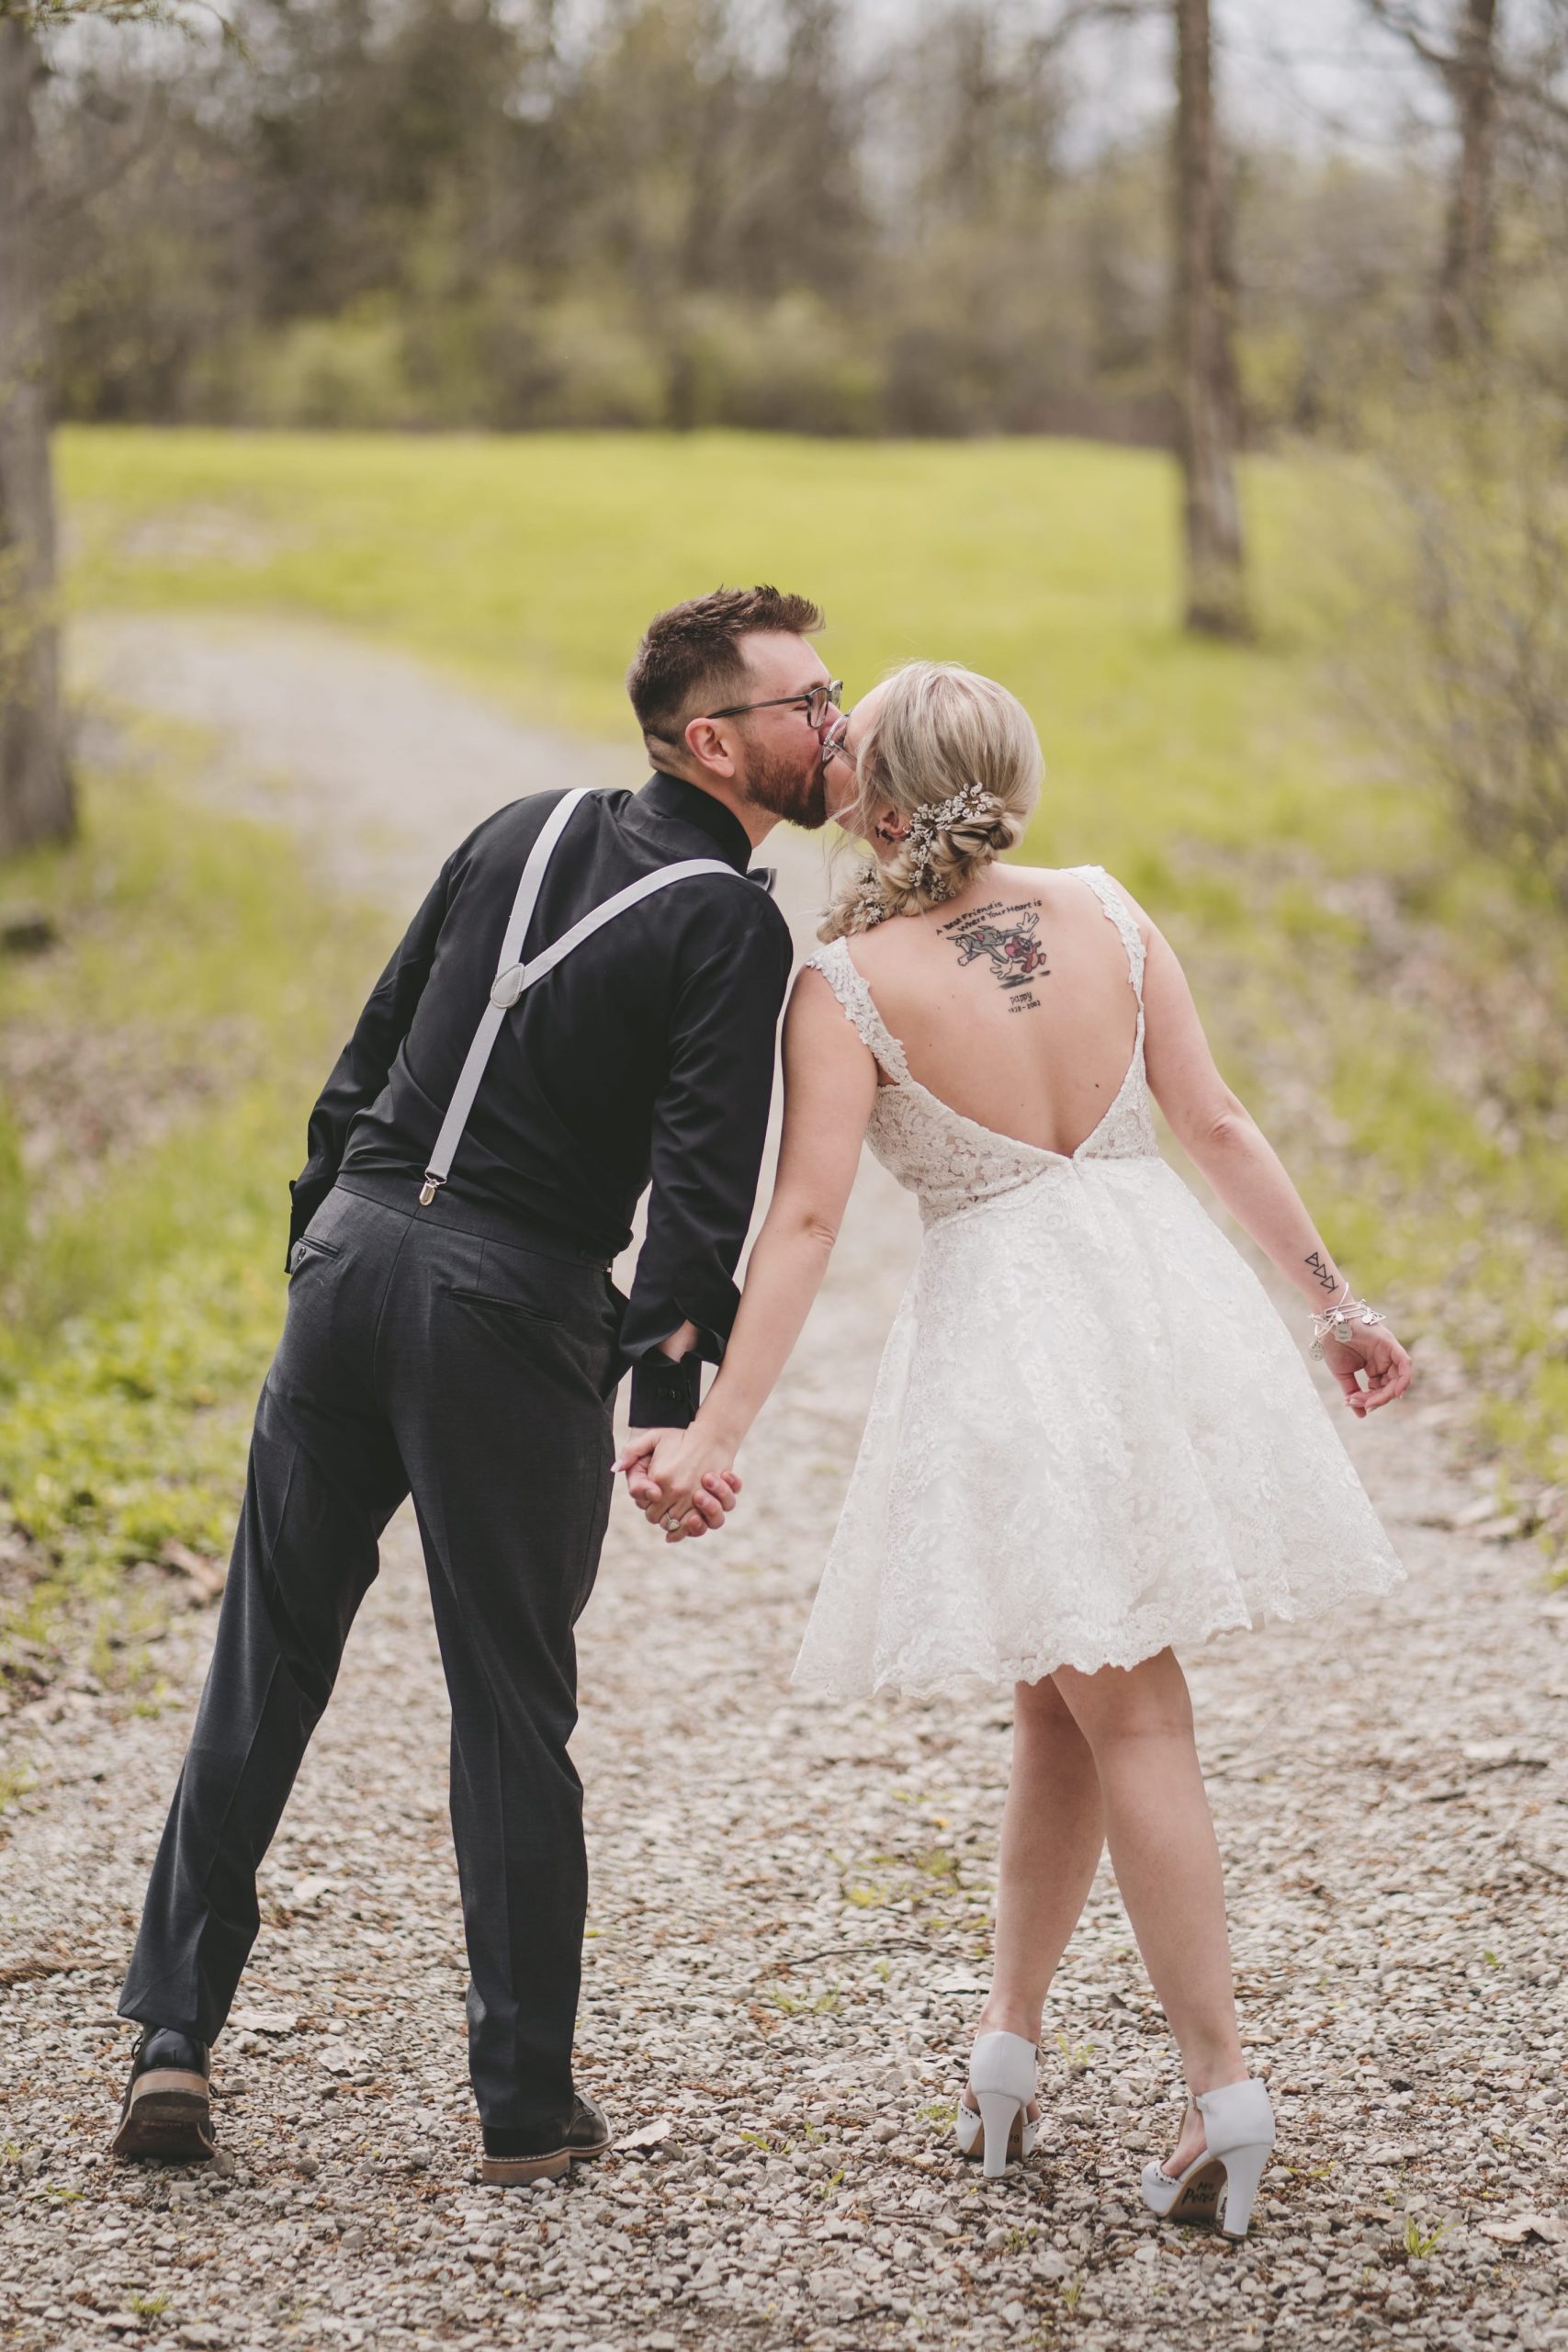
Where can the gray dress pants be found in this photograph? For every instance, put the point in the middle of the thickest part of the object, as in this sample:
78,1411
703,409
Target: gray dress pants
418,1354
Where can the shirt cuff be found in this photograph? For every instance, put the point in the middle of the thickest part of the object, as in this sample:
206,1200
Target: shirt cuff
665,1394
305,1193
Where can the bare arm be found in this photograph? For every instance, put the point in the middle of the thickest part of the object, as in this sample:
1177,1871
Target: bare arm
1226,1145
829,1086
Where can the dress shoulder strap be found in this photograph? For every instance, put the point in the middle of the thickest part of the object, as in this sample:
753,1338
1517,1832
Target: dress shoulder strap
838,969
1114,907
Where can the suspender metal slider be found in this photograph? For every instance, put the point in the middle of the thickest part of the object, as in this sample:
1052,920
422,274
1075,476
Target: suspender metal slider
429,1188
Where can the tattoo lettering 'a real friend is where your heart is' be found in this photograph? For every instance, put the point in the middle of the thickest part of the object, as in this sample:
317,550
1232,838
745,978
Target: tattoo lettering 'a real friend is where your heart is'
1004,937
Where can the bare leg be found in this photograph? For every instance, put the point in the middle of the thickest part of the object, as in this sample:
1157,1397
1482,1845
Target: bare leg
1139,1722
1052,1836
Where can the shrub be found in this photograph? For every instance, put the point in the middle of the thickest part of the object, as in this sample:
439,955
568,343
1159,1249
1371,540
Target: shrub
1483,704
344,372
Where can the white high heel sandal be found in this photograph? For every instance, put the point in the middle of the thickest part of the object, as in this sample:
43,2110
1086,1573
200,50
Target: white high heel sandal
1001,2076
1238,2130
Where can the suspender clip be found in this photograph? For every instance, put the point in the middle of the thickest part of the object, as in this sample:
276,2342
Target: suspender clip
429,1188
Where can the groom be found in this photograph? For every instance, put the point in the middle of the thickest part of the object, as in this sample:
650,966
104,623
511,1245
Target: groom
474,1163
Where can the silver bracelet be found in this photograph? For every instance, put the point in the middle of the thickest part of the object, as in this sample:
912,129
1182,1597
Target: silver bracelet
1337,1322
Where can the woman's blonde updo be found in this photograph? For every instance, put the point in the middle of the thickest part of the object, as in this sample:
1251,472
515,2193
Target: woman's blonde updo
958,756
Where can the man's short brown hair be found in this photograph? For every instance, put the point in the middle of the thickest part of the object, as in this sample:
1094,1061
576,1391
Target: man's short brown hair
691,659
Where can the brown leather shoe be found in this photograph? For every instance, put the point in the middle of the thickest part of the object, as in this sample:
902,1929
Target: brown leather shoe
167,2111
586,2136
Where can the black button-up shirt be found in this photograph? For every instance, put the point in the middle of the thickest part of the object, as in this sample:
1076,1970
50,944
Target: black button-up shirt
648,1054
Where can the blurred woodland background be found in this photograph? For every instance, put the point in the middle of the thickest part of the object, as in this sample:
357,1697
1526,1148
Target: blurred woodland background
1201,369
800,216
833,216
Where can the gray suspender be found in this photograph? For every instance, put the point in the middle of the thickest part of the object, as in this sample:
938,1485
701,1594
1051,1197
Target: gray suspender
513,977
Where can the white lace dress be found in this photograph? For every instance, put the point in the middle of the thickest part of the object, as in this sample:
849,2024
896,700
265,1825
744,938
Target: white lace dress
1092,1433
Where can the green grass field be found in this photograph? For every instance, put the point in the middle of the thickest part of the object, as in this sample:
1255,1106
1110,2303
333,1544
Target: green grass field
1222,784
141,1261
531,564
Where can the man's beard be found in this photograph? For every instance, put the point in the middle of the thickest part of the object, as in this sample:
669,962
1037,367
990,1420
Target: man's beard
785,792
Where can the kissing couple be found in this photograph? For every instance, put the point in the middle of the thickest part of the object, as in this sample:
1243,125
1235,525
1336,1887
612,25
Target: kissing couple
1092,1438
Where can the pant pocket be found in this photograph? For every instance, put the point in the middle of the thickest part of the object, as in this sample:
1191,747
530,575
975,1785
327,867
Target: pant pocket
470,1296
310,1246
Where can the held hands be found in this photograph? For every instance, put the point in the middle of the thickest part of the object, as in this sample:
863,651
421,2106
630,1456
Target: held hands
1376,1352
681,1476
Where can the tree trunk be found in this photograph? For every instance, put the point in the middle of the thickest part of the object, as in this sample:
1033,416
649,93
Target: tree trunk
1208,409
36,799
1465,288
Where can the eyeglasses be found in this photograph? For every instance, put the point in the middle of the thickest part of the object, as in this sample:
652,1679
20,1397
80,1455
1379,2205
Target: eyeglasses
816,705
834,744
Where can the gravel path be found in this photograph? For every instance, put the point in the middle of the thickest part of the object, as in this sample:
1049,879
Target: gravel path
789,1911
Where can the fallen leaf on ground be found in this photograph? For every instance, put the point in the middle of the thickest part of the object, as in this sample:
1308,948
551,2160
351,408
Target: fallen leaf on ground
646,2135
205,1573
1521,2226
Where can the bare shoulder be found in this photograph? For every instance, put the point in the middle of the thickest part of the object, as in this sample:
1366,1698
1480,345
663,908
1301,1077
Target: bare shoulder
1057,885
1021,881
1057,890
1051,885
1141,915
1144,921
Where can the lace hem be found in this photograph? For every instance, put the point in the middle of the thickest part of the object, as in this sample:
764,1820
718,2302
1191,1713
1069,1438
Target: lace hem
1086,1656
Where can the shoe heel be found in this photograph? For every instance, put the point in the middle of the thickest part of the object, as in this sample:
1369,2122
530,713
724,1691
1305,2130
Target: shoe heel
1243,2170
998,2112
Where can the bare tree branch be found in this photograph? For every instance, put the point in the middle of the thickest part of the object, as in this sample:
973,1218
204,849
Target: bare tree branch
1532,92
47,16
1078,13
41,14
66,197
1407,23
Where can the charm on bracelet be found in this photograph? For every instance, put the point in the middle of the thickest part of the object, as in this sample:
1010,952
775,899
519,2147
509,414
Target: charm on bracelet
1341,1322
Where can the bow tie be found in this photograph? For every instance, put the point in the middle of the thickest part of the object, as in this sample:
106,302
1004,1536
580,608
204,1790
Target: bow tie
765,877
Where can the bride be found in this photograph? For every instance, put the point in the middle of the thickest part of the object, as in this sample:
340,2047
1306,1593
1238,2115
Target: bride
1092,1439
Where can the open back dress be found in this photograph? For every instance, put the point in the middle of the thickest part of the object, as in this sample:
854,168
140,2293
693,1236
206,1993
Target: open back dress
1092,1435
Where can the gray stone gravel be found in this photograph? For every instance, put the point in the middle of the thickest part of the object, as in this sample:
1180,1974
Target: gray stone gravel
786,1944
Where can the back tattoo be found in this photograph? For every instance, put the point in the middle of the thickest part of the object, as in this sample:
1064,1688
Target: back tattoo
1004,935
